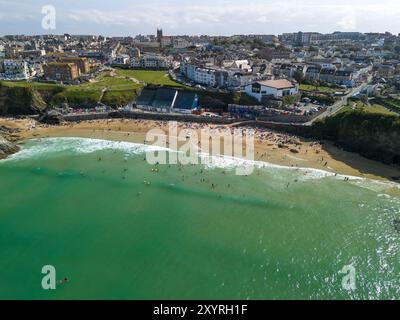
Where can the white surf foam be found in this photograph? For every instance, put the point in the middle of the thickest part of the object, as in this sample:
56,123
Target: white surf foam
304,174
74,145
50,146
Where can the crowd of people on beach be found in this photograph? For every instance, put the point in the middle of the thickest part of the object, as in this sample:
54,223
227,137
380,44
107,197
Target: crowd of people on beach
266,140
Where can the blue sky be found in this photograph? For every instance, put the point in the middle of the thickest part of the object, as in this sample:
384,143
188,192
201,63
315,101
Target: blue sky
214,17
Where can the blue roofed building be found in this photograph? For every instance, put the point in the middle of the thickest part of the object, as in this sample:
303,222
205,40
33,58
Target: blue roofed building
186,102
163,99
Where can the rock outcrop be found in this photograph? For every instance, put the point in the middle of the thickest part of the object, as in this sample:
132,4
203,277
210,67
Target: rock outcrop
7,148
52,117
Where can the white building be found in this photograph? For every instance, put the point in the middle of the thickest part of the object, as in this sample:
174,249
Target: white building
16,70
237,80
243,65
122,59
2,51
188,70
35,68
275,88
151,61
205,76
232,75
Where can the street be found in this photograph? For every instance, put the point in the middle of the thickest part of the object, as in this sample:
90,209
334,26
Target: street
337,106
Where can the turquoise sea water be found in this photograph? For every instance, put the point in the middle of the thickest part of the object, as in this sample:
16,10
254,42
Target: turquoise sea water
120,228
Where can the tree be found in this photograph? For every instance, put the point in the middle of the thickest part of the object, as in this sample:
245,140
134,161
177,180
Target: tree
290,100
298,76
212,103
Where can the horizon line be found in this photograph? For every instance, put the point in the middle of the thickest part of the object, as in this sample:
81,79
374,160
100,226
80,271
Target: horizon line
193,35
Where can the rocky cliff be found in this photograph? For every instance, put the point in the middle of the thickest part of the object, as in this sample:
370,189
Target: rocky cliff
373,135
20,101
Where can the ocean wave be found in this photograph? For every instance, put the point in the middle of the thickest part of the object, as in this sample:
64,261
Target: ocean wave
304,173
73,145
55,146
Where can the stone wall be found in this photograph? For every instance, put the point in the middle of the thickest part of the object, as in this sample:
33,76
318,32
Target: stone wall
172,117
297,129
86,116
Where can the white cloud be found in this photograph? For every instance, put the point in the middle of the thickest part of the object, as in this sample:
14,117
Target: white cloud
231,16
206,16
348,22
262,19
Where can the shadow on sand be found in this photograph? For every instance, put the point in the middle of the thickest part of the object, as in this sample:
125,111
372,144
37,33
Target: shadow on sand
363,165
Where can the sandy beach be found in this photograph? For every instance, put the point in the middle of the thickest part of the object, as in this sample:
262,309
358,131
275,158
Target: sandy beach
276,148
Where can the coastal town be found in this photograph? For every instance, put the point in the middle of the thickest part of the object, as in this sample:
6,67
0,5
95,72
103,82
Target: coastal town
292,77
324,86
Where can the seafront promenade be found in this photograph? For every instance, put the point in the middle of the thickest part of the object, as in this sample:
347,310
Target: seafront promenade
294,128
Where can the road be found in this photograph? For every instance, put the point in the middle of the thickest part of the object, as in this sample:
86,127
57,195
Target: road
338,105
102,95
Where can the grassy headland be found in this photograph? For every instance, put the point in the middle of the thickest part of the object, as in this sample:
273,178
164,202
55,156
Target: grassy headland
373,131
113,88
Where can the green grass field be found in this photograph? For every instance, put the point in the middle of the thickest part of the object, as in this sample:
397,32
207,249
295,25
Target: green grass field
373,108
376,108
119,91
150,77
121,88
33,85
394,103
311,88
26,84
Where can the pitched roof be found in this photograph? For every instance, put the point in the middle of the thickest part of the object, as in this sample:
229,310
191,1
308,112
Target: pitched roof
164,98
185,100
277,84
146,97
